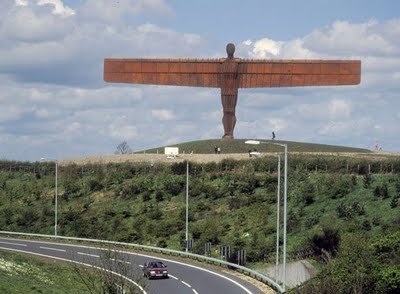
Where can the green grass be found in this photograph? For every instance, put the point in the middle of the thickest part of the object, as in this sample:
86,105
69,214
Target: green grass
20,273
238,146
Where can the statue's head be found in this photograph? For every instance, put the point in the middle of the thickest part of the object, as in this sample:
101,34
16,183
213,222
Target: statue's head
230,49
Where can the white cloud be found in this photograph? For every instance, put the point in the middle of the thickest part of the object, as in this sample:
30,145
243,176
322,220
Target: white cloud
71,50
11,112
21,2
378,42
339,109
345,38
27,25
263,48
59,7
123,132
162,114
277,124
42,113
357,128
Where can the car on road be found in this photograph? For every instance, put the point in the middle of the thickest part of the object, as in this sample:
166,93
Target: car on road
155,269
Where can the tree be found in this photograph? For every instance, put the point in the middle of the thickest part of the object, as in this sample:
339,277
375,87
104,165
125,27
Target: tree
123,148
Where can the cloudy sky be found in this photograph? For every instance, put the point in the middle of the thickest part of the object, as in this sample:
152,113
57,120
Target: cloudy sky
54,102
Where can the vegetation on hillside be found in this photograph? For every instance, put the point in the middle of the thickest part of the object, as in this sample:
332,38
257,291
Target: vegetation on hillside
343,213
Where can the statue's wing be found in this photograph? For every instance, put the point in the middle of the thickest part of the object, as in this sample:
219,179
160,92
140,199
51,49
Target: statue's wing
179,72
295,73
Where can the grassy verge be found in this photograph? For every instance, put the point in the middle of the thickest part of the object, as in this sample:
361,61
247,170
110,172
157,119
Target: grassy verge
20,273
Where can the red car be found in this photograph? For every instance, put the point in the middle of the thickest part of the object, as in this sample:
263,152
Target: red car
155,269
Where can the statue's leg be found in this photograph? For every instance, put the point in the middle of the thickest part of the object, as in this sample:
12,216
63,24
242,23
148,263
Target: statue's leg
229,118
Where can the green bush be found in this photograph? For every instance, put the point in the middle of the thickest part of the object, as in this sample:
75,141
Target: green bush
394,202
327,240
349,211
389,280
338,186
367,181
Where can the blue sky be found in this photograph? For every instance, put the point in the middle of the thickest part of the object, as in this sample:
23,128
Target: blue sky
279,20
55,104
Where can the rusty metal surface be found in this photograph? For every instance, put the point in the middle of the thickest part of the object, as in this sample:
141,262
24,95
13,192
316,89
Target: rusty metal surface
232,73
249,73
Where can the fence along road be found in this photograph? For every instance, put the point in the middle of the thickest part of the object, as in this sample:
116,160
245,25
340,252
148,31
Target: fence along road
184,278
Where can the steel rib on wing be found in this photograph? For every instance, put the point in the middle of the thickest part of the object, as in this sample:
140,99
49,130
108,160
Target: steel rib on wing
251,73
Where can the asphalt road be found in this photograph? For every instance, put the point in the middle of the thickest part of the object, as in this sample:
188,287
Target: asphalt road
184,278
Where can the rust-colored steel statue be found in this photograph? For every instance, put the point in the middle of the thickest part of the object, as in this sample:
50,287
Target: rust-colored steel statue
230,74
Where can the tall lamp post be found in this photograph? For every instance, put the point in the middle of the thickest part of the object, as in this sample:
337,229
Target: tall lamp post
187,206
56,194
254,142
278,201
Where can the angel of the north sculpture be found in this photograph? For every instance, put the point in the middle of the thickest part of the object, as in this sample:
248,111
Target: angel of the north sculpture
230,73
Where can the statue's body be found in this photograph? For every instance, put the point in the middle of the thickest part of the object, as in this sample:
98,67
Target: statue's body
231,73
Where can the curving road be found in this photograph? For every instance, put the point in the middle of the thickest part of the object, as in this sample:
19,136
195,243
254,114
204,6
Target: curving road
184,278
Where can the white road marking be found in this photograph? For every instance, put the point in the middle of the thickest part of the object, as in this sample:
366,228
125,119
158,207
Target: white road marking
195,292
10,243
183,282
55,249
140,265
120,260
77,262
87,254
173,277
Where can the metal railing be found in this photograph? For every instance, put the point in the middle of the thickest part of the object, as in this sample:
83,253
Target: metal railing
249,272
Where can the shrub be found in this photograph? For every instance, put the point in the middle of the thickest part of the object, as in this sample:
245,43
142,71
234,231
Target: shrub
389,280
384,191
377,191
376,220
342,211
130,189
311,221
327,240
308,193
93,185
367,181
366,225
357,208
394,202
348,211
338,186
146,196
387,247
159,196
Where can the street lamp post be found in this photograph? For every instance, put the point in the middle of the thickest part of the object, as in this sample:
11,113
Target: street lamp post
278,197
187,206
56,196
254,142
284,220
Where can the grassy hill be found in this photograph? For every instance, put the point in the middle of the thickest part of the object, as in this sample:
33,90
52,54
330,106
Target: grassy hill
238,146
